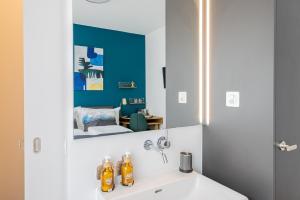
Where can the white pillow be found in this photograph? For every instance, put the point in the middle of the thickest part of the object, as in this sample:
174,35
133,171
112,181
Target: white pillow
82,113
117,111
75,114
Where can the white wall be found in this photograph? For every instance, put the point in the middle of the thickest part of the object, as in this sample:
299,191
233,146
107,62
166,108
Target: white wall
67,170
155,60
48,95
85,155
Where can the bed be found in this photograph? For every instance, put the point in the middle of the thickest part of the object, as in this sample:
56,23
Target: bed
98,131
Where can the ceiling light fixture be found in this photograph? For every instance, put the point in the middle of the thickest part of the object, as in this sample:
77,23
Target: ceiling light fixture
98,1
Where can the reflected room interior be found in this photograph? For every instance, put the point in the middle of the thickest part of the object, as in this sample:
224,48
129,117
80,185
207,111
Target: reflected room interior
119,67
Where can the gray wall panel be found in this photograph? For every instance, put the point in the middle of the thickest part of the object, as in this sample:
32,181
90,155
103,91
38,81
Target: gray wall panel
238,144
287,73
182,63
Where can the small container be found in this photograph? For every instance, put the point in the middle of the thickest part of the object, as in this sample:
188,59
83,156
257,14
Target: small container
107,175
186,162
127,170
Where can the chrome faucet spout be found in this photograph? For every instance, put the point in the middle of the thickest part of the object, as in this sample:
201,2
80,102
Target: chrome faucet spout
162,144
164,157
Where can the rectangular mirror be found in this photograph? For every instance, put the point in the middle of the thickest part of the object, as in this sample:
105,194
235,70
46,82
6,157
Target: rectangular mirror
119,67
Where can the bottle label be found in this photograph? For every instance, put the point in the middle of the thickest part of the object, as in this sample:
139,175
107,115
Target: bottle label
108,181
128,176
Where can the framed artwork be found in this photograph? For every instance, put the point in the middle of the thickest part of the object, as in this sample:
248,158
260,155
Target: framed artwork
88,68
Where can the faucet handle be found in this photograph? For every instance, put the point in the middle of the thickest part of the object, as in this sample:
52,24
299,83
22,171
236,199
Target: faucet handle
148,144
163,143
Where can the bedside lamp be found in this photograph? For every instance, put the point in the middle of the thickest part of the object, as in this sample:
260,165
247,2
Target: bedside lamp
123,103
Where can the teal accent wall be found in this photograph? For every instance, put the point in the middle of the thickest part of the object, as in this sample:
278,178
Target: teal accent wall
124,61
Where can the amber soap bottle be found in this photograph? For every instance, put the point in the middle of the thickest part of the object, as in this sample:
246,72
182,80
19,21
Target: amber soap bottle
107,175
127,170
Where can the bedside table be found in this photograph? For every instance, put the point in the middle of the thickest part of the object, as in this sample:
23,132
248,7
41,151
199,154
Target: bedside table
154,122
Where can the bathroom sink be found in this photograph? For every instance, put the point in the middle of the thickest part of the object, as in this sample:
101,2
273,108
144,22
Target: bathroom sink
171,186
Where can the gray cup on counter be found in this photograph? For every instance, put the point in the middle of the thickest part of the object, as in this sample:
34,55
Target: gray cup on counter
186,162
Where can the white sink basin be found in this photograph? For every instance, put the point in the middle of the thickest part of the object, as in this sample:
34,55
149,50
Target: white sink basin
173,186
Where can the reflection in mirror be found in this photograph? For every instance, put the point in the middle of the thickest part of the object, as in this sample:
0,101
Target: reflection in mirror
119,67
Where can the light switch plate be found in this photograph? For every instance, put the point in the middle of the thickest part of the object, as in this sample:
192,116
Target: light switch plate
182,97
233,99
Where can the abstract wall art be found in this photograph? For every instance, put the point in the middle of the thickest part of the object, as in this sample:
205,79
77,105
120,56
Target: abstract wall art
88,68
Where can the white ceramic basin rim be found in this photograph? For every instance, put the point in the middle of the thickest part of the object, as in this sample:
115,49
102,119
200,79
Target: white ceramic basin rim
173,186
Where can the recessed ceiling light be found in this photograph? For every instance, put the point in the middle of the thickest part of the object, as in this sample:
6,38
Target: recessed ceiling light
98,1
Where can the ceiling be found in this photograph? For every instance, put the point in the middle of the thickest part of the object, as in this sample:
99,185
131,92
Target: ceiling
134,16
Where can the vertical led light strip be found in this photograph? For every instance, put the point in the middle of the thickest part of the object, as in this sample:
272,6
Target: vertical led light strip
201,111
204,62
207,65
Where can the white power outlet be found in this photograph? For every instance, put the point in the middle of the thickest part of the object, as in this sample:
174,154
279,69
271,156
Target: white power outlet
233,99
182,97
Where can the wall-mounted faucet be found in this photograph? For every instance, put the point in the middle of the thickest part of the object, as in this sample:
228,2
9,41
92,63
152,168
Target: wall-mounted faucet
162,143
